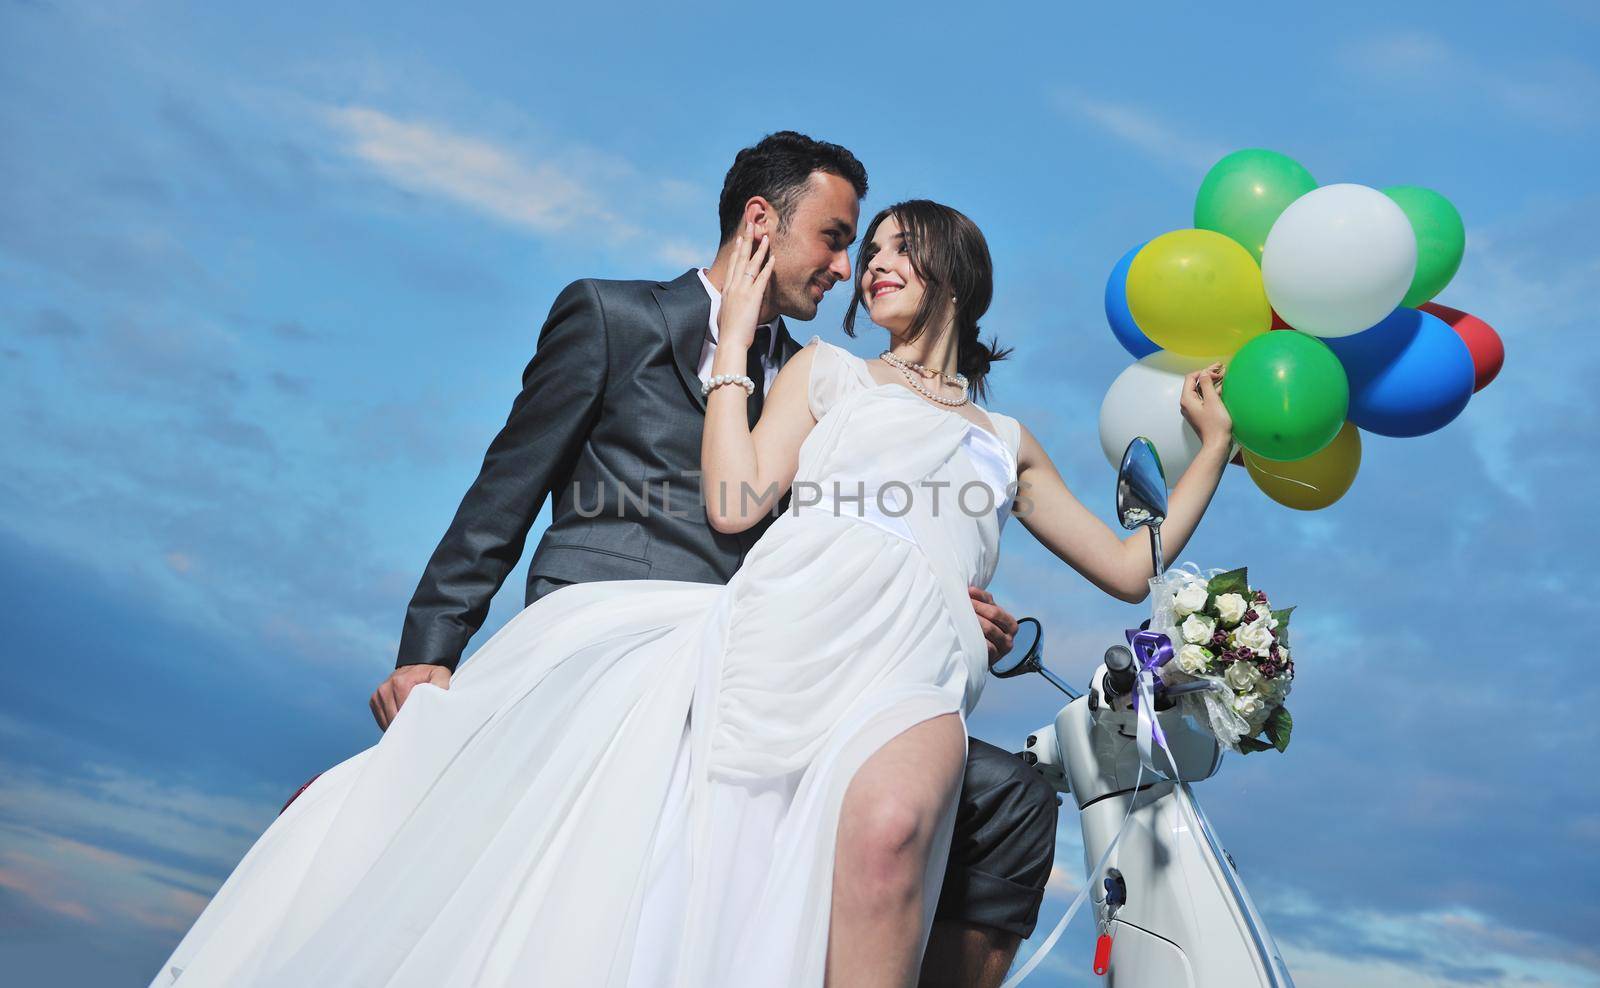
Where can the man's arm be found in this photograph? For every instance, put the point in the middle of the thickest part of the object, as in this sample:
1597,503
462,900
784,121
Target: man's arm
999,627
549,422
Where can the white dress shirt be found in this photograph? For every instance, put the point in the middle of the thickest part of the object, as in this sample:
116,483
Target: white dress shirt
708,349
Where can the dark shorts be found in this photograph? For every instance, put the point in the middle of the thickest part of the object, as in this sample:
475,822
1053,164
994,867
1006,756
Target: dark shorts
1004,843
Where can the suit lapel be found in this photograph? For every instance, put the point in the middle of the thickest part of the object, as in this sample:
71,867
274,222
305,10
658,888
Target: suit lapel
687,310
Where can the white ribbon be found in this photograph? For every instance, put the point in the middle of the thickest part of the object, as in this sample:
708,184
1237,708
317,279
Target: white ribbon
1148,739
1145,733
1083,893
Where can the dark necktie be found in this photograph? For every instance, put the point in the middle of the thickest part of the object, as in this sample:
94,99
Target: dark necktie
757,372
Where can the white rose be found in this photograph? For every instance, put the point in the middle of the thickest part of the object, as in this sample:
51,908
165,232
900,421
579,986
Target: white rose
1275,689
1242,676
1258,720
1193,659
1253,636
1190,599
1197,630
1247,705
1232,607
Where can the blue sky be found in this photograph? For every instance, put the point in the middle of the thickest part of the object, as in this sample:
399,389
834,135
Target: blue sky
269,274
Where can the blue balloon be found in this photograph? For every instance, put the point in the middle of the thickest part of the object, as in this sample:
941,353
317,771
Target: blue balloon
1128,333
1409,375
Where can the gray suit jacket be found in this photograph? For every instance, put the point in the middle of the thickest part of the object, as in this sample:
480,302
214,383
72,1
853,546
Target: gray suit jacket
608,423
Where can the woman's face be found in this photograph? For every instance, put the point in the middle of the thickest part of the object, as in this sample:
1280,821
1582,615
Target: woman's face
890,289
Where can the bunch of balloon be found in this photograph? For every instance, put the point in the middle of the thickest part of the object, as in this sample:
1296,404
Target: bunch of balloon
1345,274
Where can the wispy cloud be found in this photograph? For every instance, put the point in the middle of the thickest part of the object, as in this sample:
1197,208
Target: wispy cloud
1555,92
1155,136
564,192
432,159
1531,276
681,253
1434,947
110,848
1330,944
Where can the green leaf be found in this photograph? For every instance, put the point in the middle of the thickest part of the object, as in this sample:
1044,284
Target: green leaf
1282,617
1279,726
1233,581
1248,745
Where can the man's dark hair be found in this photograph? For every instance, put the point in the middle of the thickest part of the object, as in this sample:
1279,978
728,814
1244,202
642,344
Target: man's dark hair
777,168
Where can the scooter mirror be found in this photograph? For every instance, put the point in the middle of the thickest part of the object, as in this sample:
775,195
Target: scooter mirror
1027,655
1142,495
1027,650
1141,486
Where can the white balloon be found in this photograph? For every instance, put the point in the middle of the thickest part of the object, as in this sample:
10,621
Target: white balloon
1339,260
1143,401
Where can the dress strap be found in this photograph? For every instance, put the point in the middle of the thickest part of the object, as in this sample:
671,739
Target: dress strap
835,374
1009,430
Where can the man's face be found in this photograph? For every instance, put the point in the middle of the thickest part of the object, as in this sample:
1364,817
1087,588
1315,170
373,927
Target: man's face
811,254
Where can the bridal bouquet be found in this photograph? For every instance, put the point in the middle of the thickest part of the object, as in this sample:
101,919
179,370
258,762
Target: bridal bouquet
1226,632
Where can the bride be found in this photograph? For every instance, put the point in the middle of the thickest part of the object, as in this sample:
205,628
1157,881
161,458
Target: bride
641,783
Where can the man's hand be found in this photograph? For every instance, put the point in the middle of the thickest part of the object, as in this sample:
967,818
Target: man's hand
392,692
999,627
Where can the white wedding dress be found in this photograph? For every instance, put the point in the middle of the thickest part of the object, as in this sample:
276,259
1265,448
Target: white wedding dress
637,783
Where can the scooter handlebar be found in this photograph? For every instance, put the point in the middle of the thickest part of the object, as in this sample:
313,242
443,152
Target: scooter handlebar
1119,675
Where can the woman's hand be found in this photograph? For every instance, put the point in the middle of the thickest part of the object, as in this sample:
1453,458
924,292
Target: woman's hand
744,293
1201,403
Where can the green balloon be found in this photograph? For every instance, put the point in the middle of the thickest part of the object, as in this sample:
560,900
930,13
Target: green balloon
1287,394
1441,240
1243,194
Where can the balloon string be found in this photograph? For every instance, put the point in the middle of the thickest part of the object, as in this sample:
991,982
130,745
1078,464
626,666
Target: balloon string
1279,476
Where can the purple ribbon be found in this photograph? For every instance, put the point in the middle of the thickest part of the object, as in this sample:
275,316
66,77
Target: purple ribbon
1154,650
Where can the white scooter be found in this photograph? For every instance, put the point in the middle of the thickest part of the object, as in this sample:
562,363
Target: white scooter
1170,907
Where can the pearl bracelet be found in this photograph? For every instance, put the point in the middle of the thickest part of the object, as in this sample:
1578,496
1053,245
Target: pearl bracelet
718,380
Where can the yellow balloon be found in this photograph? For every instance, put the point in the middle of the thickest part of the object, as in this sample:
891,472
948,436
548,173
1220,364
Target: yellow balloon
1314,482
1198,293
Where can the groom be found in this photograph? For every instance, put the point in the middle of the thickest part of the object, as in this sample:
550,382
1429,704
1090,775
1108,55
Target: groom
608,424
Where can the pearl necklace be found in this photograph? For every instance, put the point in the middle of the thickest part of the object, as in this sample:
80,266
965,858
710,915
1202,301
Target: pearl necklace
906,367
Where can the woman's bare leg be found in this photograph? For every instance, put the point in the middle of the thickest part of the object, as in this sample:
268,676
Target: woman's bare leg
892,813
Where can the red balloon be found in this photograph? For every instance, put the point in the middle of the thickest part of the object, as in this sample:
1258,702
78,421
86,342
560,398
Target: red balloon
1277,321
297,792
1488,352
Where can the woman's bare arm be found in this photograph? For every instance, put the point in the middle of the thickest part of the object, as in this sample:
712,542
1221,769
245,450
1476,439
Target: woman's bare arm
744,473
1120,565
